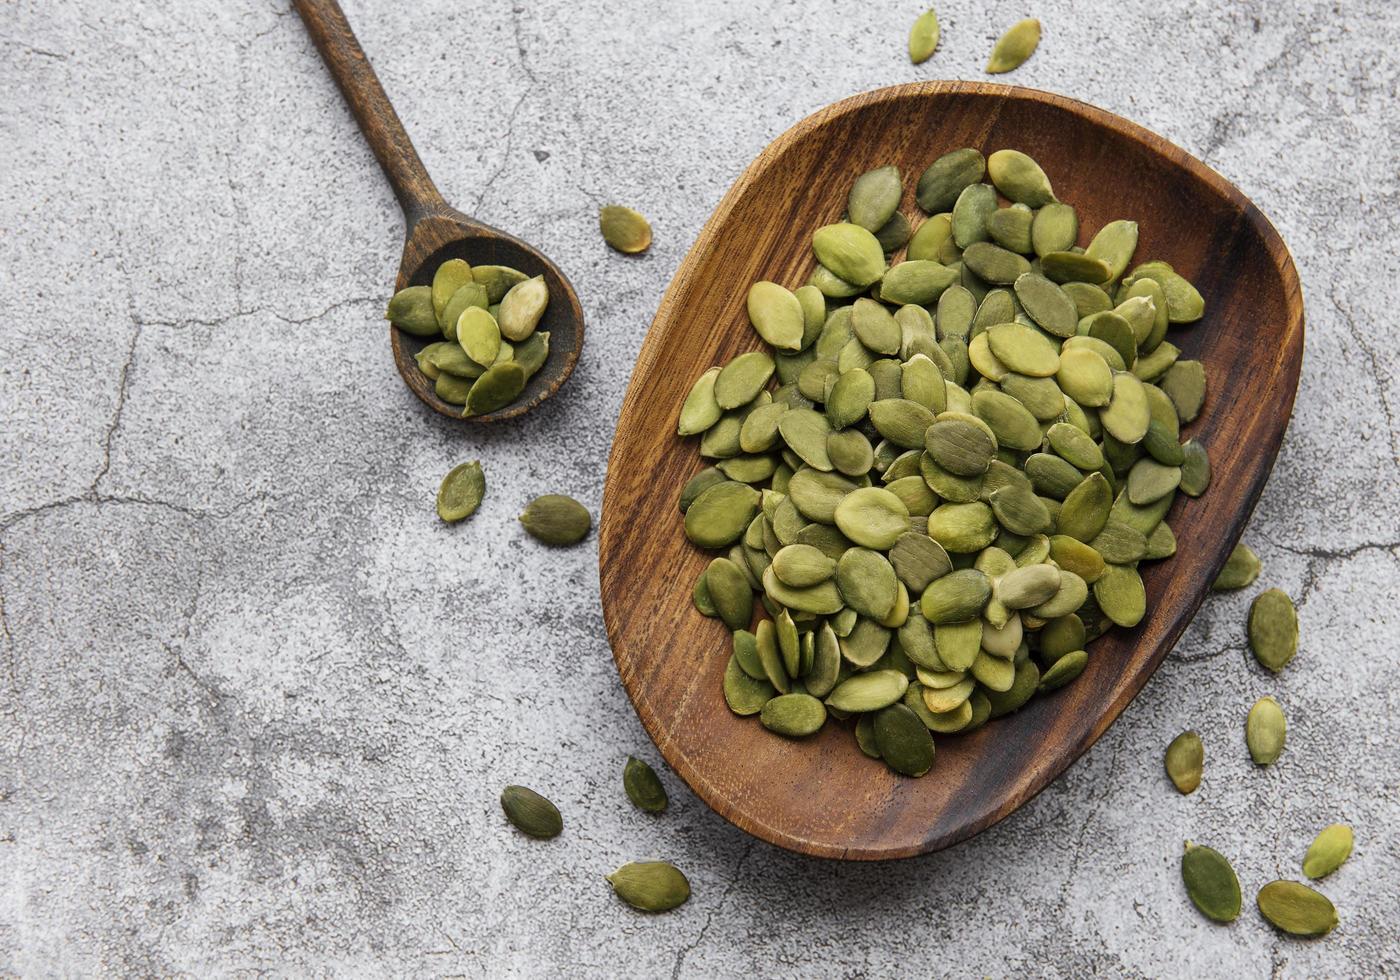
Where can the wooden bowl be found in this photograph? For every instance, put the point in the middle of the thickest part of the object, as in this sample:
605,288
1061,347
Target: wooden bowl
820,795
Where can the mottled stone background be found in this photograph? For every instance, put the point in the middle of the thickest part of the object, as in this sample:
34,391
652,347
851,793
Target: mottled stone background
256,701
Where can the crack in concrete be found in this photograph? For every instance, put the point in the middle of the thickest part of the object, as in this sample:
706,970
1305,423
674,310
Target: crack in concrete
1202,658
258,311
734,880
41,52
1392,429
11,650
101,500
529,72
123,380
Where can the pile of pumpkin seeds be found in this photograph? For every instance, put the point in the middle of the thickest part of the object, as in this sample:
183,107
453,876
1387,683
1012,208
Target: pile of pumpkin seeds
973,441
486,316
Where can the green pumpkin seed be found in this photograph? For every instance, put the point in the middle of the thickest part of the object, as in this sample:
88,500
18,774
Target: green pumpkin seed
872,517
776,315
532,352
1019,178
1185,384
1088,299
746,654
1114,246
970,213
643,787
1086,509
741,380
624,229
946,178
920,282
1273,629
1060,636
1023,349
801,565
793,715
1126,416
1184,761
1195,468
1150,481
875,326
1011,228
411,310
956,597
730,593
923,37
460,493
994,264
719,515
522,308
903,740
1211,883
1328,851
1055,229
875,196
479,335
901,421
1047,304
931,237
1085,376
866,643
530,813
869,691
698,484
497,387
1296,909
826,662
1012,424
1265,731
700,596
851,252
805,431
867,582
1069,266
1120,595
1241,569
1064,670
650,886
556,519
1014,47
700,410
893,234
832,286
451,276
865,736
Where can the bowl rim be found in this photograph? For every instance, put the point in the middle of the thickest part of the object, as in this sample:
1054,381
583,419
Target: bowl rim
1291,350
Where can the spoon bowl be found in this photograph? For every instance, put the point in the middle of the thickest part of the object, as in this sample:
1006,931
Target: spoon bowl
435,231
820,795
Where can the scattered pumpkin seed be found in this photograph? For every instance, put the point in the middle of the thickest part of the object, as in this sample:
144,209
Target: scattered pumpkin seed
461,491
643,786
1264,731
1273,629
1296,909
1014,47
923,37
1185,759
624,229
531,813
650,886
1329,849
1211,883
1241,569
556,519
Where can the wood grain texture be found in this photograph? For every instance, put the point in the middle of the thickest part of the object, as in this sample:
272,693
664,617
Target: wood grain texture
435,231
820,796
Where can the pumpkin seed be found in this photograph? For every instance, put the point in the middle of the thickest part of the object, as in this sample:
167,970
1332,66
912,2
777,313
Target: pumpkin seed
643,787
522,308
1069,266
460,493
624,229
1273,629
1328,851
869,691
556,519
411,310
923,37
1296,909
531,813
497,387
1114,246
719,515
875,195
1264,731
903,740
1241,569
1014,47
1185,384
970,213
1019,177
740,381
947,177
1184,761
872,517
1063,670
1210,882
851,252
793,715
650,886
1195,468
916,281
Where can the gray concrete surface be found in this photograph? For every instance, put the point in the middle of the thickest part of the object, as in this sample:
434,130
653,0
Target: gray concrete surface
256,702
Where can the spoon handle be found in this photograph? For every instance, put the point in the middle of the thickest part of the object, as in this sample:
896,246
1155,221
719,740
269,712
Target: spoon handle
331,33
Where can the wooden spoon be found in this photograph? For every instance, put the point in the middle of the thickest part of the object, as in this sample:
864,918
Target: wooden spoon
435,231
819,795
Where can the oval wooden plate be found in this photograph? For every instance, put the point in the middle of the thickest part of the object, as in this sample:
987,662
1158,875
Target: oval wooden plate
820,796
